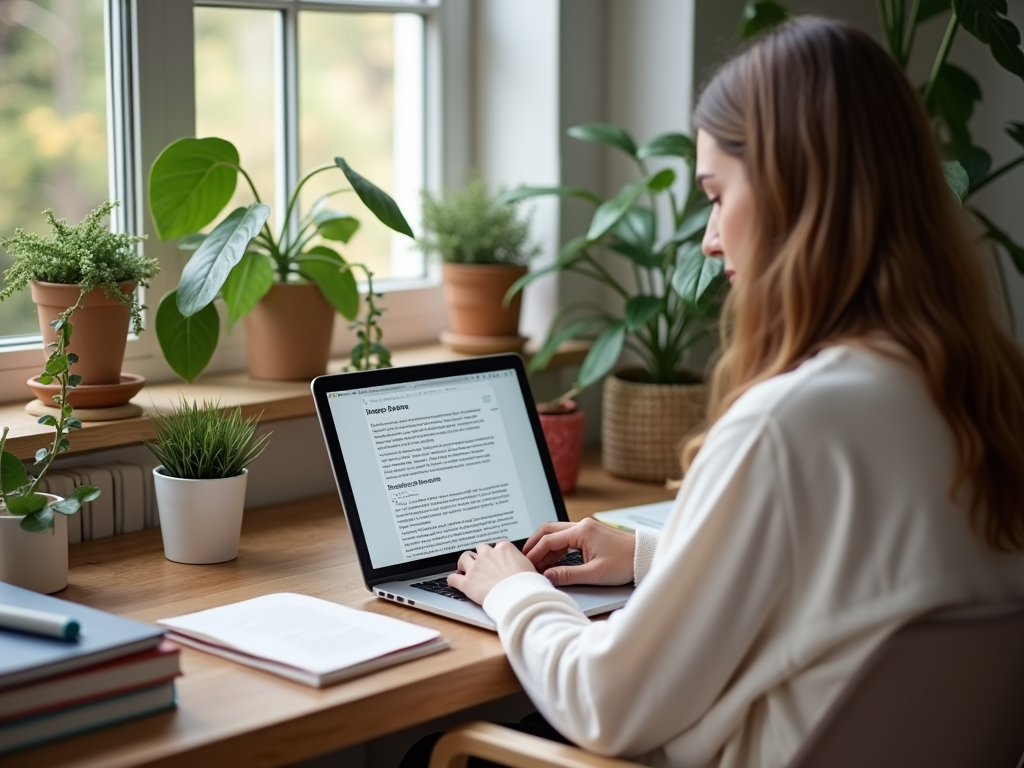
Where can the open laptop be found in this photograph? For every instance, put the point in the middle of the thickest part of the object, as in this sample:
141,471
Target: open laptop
432,460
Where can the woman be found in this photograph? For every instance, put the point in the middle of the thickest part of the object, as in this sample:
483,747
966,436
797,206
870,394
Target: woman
865,460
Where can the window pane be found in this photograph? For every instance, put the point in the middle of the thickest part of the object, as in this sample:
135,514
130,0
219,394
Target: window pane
235,54
361,97
53,133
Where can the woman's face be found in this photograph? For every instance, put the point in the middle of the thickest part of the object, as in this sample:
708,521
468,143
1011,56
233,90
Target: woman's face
730,231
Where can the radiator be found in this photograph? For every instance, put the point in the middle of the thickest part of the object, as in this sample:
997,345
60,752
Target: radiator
127,501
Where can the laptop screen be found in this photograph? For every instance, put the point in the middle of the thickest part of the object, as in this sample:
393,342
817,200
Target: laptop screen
437,459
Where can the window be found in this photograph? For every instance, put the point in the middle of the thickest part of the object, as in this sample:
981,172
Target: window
292,83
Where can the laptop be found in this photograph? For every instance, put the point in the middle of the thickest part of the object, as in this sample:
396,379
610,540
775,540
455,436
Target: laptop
432,460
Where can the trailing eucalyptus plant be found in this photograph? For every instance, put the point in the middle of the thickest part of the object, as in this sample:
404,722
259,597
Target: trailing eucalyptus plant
674,294
18,489
190,184
950,93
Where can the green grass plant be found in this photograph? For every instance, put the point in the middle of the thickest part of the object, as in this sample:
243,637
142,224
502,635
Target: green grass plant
204,442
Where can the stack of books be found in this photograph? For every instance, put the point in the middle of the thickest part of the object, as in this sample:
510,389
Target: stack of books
98,670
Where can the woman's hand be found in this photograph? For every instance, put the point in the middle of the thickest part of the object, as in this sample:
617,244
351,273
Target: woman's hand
607,553
480,571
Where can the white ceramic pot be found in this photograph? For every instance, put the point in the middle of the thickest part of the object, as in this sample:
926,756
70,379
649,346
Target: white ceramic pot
200,520
36,561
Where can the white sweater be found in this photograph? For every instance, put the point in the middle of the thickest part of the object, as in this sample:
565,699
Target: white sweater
816,520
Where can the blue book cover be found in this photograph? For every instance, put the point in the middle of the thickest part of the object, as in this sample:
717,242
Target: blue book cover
102,636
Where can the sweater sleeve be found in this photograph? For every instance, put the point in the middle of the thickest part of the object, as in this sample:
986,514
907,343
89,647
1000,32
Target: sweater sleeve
632,683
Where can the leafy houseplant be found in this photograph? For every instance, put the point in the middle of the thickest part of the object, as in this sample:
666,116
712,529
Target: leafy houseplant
41,564
484,246
950,92
88,266
670,300
241,259
200,483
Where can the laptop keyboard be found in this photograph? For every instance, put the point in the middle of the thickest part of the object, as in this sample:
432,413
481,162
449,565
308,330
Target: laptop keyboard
440,586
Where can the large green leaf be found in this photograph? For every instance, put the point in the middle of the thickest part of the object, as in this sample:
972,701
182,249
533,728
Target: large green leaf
611,211
573,331
25,504
693,226
987,20
39,522
760,15
12,472
376,199
697,277
247,283
603,355
605,133
1015,250
190,183
641,309
334,225
331,273
669,145
635,237
952,100
187,342
206,271
525,193
663,179
957,178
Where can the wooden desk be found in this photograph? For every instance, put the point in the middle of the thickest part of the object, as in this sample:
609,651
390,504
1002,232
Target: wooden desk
231,715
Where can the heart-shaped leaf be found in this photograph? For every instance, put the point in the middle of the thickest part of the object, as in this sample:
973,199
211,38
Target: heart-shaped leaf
246,284
377,200
25,505
333,225
190,183
328,270
66,506
12,472
206,271
187,342
85,493
605,133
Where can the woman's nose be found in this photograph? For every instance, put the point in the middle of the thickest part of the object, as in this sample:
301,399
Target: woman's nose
711,245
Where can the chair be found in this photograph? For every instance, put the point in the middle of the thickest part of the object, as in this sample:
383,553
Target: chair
936,694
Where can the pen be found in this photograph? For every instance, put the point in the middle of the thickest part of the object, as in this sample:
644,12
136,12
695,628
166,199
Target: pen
38,622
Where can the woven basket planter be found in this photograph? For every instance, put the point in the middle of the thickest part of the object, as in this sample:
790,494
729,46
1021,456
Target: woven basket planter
644,426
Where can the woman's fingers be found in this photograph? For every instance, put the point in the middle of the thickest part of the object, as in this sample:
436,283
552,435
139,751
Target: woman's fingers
544,530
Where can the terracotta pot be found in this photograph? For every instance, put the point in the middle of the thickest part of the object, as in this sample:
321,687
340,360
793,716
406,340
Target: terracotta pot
101,328
563,432
200,520
644,426
474,294
288,334
36,561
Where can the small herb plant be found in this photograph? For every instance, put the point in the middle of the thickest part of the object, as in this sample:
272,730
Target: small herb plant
87,254
241,258
471,227
202,442
17,487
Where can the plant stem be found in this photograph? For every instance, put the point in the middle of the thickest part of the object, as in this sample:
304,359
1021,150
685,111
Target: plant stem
995,175
940,58
908,38
294,199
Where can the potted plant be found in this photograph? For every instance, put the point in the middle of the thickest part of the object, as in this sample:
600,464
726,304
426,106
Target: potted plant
484,247
204,453
33,528
562,423
671,302
287,286
949,94
97,271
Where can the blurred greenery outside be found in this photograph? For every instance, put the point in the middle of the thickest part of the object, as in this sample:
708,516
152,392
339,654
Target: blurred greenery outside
53,133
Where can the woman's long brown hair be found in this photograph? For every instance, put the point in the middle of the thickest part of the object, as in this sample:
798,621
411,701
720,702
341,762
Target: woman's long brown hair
857,236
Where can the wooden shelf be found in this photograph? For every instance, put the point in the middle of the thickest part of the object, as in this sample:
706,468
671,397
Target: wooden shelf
275,400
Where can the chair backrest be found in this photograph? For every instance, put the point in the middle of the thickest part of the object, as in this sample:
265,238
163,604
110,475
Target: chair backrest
937,694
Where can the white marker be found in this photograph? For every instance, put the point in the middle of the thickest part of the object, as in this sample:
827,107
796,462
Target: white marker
38,622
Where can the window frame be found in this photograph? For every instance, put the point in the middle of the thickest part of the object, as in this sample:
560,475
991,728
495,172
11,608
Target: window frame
151,102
